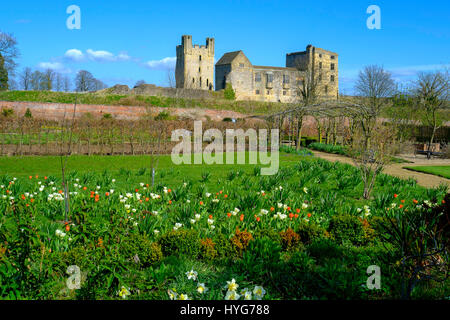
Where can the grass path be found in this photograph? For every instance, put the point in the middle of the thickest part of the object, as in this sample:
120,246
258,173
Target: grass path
398,170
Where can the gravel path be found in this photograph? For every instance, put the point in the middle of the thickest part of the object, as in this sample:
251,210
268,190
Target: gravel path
396,169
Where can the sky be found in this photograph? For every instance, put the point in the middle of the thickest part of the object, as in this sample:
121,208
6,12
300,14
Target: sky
121,42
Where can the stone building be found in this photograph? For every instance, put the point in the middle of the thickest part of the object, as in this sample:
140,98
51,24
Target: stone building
194,69
195,64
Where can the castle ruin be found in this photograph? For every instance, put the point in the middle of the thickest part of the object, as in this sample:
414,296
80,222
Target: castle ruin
195,70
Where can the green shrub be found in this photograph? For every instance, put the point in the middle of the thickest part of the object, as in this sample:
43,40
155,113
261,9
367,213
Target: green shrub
330,148
229,93
269,233
324,249
141,250
347,228
7,112
28,113
223,246
163,115
179,242
310,231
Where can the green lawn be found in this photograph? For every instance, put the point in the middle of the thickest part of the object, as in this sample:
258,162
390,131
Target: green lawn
441,171
136,168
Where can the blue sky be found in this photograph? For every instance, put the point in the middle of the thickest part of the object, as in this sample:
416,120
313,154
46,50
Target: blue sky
125,41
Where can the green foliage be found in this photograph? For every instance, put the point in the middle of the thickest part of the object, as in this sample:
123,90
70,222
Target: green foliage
7,112
310,231
229,93
347,228
28,114
163,115
180,242
139,249
329,148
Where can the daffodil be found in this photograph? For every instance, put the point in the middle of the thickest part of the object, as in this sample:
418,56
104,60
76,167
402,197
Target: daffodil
201,288
259,292
172,294
183,297
124,292
247,294
232,295
192,275
232,285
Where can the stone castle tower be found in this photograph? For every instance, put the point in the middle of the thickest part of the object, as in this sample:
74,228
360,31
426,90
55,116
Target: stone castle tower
195,64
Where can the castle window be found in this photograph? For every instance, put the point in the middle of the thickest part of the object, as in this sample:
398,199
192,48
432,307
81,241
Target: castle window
320,55
326,89
268,91
269,77
332,66
199,69
200,58
332,78
333,57
320,77
200,82
241,65
257,77
320,65
285,79
257,91
284,93
207,82
193,80
300,83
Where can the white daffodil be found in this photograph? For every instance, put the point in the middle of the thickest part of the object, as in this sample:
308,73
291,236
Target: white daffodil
232,285
172,294
183,297
232,295
259,292
192,275
201,288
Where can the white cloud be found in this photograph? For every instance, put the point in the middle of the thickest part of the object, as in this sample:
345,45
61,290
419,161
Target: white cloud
55,66
163,64
74,55
100,55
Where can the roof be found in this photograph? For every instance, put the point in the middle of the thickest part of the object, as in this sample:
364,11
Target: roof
228,57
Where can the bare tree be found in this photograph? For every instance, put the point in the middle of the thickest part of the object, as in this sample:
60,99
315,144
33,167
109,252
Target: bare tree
431,91
37,81
58,82
66,84
369,150
373,87
170,76
9,51
48,78
25,79
84,81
